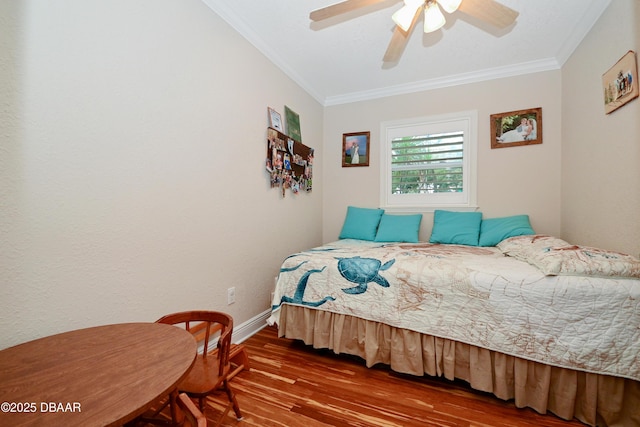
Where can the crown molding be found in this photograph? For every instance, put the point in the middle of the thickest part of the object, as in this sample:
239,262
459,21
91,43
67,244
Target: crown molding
231,18
589,18
453,80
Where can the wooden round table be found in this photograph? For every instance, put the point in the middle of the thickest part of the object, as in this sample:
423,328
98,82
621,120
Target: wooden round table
101,376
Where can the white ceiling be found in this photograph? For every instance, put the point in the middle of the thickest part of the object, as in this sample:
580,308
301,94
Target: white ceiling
340,60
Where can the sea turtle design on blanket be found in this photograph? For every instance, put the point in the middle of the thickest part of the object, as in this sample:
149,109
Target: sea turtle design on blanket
362,271
298,296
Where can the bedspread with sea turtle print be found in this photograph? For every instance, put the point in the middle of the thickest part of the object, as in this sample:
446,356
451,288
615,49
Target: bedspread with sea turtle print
475,295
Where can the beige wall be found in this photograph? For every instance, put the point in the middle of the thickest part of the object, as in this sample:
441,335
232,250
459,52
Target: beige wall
601,153
581,184
132,177
511,180
132,160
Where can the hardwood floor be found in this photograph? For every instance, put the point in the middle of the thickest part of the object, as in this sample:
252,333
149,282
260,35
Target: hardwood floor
290,384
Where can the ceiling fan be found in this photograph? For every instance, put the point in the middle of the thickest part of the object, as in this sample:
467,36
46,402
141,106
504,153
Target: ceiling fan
489,11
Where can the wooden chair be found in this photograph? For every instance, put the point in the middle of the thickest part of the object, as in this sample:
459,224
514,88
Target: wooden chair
192,415
210,372
239,359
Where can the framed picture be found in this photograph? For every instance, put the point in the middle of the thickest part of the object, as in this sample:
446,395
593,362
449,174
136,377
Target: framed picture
293,124
275,119
516,128
620,82
355,149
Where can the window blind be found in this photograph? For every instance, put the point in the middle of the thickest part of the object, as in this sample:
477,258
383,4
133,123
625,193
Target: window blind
427,164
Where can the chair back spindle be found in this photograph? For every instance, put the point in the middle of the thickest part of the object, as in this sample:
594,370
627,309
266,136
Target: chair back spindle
210,372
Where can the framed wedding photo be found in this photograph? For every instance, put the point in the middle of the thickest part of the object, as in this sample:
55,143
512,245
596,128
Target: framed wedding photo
620,83
275,120
516,128
355,149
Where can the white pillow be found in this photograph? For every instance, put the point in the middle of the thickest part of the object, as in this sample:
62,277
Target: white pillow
554,256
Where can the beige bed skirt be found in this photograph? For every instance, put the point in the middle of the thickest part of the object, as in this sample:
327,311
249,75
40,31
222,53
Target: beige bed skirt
596,400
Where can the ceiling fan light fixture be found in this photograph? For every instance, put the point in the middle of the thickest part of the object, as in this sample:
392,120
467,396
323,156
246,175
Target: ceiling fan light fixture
450,6
492,12
404,16
433,17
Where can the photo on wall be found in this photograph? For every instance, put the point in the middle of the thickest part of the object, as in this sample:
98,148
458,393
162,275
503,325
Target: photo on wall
293,124
275,119
355,149
620,83
516,128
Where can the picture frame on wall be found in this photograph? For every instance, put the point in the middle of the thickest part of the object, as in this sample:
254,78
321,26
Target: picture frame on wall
293,124
275,120
516,128
355,149
620,82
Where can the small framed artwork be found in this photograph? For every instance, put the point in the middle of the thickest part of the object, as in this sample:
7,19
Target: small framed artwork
275,119
293,124
515,128
620,82
355,149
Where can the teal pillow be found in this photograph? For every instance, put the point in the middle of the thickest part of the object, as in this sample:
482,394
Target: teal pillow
495,230
361,223
457,228
399,228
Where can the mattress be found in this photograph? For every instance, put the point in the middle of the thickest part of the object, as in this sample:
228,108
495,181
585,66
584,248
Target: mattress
473,295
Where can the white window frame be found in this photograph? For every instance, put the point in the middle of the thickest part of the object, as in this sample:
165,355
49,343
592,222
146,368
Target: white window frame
465,121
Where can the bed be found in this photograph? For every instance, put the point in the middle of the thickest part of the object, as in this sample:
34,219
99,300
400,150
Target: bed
528,317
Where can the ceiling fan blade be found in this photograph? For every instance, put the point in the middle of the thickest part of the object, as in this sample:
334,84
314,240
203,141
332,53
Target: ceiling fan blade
340,8
399,40
489,11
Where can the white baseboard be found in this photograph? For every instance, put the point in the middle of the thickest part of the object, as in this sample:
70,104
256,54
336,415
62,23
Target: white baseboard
252,326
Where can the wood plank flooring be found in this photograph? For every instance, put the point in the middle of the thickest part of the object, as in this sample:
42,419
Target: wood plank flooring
290,384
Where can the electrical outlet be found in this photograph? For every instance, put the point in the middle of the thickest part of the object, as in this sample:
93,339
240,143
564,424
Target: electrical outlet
231,295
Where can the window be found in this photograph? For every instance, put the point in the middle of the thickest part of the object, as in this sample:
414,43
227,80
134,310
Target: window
429,162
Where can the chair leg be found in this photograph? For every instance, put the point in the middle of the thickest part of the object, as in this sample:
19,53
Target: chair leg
224,414
232,399
173,405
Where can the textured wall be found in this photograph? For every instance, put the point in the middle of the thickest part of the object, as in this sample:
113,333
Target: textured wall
512,180
600,152
133,153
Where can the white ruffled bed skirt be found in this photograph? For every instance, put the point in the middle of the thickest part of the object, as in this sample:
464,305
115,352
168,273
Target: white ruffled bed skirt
596,400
